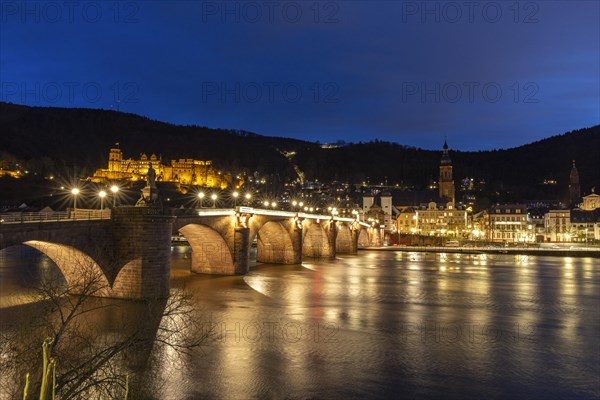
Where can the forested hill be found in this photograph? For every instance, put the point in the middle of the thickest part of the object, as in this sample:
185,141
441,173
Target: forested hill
82,137
519,169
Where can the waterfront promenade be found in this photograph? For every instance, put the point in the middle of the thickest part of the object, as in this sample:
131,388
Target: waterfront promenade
589,251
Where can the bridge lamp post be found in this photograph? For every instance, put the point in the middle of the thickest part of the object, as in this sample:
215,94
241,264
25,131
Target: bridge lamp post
274,204
214,199
266,203
201,197
294,203
75,192
102,195
235,197
114,189
248,196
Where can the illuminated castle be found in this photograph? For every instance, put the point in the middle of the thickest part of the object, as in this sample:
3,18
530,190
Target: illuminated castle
183,171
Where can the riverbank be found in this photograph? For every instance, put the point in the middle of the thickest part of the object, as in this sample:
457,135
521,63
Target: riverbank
561,252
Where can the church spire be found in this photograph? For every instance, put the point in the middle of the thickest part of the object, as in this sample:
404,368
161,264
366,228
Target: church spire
446,183
445,156
574,187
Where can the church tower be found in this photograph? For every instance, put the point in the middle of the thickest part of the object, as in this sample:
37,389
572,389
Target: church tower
446,183
114,158
574,188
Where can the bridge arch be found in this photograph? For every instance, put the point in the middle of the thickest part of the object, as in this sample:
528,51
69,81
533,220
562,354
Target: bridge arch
316,240
210,252
81,272
274,244
343,240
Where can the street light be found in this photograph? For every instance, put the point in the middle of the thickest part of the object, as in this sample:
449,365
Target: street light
235,196
102,195
114,189
273,204
248,196
201,197
75,192
214,199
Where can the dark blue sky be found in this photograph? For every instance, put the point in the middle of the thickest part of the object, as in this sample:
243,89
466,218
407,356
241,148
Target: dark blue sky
484,74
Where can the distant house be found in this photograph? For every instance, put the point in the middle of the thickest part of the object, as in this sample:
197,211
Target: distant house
557,225
590,202
585,225
510,223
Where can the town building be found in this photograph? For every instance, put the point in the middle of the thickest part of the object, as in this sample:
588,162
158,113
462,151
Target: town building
478,225
440,220
590,202
585,225
406,221
557,225
585,220
510,223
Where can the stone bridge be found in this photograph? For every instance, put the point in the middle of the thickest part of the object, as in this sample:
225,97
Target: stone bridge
129,254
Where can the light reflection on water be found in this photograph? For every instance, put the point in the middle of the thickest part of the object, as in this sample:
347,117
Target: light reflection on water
385,324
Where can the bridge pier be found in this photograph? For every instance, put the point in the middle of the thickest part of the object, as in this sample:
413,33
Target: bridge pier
241,250
331,239
354,233
296,236
141,238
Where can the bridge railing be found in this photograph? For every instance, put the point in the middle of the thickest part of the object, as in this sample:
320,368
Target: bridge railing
54,216
206,212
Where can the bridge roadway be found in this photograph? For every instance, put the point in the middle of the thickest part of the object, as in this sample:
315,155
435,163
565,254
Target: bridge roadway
127,252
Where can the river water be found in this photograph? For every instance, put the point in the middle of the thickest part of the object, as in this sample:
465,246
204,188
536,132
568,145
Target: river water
380,325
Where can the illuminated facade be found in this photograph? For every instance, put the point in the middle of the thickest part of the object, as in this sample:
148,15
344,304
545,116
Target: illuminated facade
585,225
591,201
382,212
557,224
441,221
183,171
510,223
12,174
407,220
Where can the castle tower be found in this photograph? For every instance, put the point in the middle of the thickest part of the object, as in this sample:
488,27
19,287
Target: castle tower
114,159
446,183
574,188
